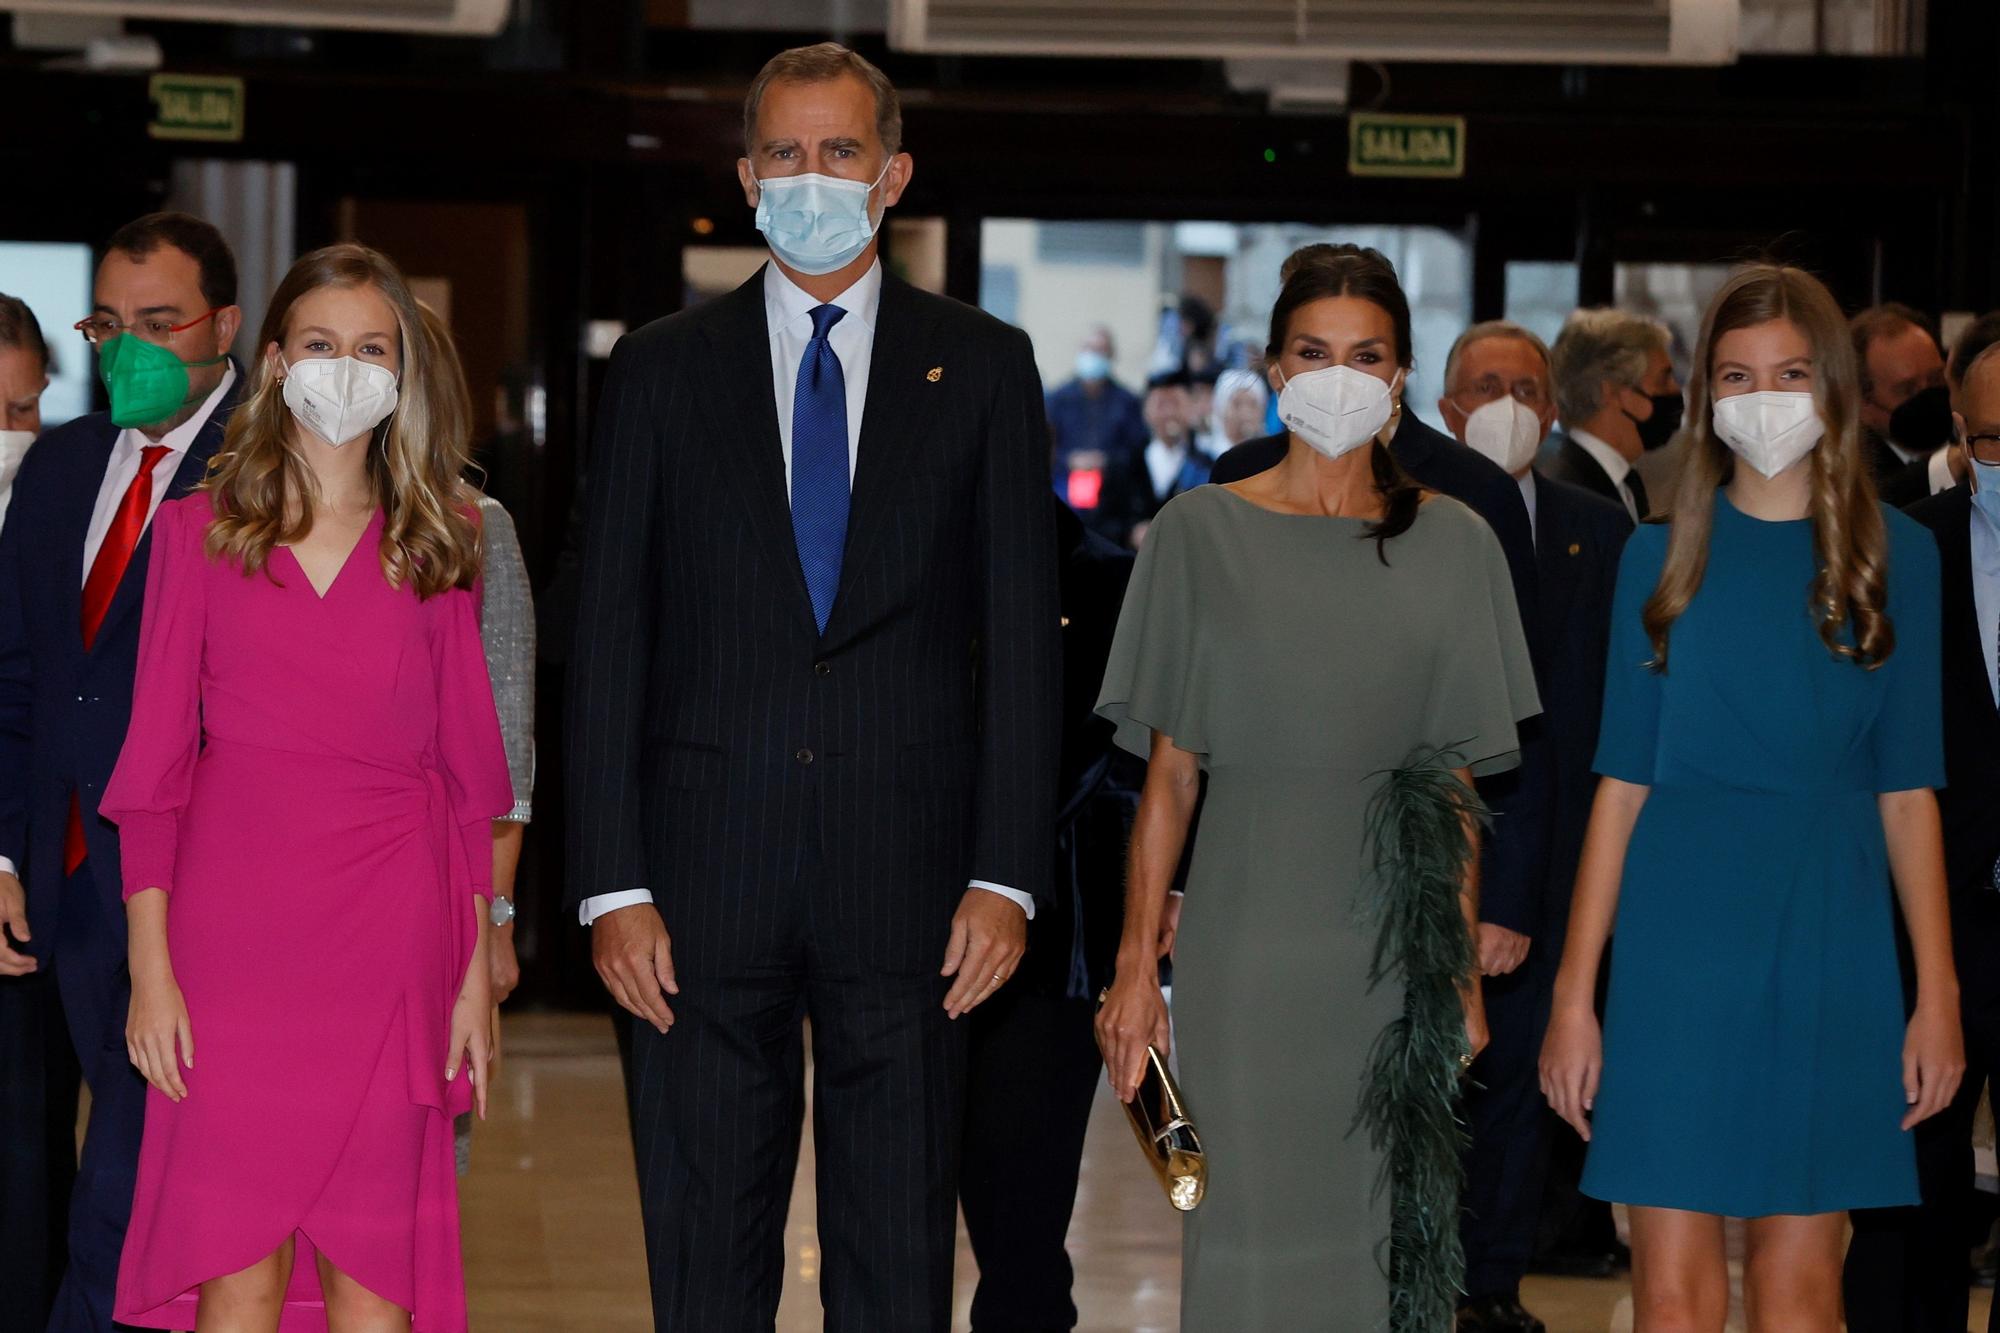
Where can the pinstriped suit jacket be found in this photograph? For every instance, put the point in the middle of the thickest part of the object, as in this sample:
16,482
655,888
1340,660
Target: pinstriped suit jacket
757,776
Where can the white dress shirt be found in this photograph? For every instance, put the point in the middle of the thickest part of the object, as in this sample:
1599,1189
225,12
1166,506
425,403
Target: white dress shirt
1938,471
1616,466
1526,481
118,476
1986,592
124,466
788,315
1164,462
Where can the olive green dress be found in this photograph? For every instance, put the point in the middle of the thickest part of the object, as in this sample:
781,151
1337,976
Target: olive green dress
1300,668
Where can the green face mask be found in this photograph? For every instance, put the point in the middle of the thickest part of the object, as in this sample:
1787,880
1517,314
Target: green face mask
147,382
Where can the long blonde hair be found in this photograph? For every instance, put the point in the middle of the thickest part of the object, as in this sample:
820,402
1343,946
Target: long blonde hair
1849,536
264,490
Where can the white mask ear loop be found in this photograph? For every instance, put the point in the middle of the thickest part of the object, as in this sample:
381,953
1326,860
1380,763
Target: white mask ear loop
1388,431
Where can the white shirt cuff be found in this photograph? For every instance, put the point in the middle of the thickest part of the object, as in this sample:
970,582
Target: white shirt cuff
604,903
1014,896
1938,470
7,867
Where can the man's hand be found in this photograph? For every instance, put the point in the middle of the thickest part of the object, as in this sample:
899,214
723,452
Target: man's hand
634,956
988,936
1500,950
14,919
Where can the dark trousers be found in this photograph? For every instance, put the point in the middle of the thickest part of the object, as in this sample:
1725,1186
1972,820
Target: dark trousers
1908,1269
38,1098
96,992
717,1108
1507,1162
1034,1068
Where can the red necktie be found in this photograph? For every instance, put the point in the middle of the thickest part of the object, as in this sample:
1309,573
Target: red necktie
127,526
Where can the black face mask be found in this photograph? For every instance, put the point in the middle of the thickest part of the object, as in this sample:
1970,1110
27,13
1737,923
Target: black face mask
1923,422
1657,430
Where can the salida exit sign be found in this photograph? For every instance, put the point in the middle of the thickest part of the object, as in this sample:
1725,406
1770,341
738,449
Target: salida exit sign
196,106
1387,145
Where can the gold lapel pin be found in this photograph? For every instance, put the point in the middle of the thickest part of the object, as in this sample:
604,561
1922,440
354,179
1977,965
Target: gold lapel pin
934,374
1576,548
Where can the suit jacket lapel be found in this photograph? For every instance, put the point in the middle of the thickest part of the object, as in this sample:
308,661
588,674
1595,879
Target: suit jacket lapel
72,528
891,425
1554,562
1588,471
193,467
1411,447
739,352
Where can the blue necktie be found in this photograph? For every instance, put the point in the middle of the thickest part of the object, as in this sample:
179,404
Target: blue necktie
819,464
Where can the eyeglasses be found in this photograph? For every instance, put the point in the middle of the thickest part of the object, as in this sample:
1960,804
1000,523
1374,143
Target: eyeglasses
1985,448
1488,388
100,329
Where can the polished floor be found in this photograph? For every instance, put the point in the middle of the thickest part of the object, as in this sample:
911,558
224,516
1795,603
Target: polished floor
552,1239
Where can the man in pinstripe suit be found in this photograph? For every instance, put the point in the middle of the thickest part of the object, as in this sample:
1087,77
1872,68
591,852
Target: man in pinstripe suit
814,726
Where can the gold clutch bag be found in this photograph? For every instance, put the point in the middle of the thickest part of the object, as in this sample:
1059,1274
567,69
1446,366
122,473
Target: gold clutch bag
1166,1134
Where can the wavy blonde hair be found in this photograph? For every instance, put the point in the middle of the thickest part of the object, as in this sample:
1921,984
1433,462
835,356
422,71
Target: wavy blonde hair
1849,535
263,488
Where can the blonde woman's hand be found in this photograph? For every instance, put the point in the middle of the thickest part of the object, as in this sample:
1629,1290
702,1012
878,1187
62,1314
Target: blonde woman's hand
159,1039
1132,1017
471,1049
1933,1061
1572,1063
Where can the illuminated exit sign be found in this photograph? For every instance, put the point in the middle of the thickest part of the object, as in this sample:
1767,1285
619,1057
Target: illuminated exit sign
196,106
1384,145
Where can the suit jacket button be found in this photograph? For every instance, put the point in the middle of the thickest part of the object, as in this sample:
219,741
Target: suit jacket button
822,668
804,756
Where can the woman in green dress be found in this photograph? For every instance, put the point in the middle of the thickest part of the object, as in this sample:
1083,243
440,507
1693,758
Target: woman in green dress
1341,653
1772,732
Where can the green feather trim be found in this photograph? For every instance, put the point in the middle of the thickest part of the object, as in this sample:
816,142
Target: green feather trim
1409,1095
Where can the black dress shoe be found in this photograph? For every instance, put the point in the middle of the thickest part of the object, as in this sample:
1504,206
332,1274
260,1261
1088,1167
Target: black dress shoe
1590,1263
1498,1314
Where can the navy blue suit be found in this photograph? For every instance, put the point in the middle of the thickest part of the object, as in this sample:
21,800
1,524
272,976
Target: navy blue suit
1906,1270
63,712
1578,538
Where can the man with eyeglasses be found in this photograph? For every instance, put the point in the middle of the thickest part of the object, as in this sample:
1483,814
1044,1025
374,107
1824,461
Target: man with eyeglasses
1907,1269
73,558
1498,400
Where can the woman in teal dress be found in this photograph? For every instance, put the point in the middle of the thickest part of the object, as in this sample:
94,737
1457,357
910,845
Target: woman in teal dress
1771,736
1342,654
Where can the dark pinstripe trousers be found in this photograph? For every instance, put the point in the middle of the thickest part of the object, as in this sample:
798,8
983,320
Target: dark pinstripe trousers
717,1108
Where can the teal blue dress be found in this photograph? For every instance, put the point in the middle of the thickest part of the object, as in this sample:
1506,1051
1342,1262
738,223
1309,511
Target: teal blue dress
1753,1033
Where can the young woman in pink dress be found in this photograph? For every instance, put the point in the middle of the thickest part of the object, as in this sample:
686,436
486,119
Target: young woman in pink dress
304,803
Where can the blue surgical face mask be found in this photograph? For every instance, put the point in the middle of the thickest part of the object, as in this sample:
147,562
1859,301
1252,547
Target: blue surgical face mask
1986,488
1092,366
816,224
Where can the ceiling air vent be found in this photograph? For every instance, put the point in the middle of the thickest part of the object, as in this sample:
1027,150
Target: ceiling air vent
1543,31
467,17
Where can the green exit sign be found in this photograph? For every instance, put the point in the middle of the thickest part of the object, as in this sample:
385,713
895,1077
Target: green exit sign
1384,145
196,106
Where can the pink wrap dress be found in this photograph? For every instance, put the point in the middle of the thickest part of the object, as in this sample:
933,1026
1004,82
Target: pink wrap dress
311,779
